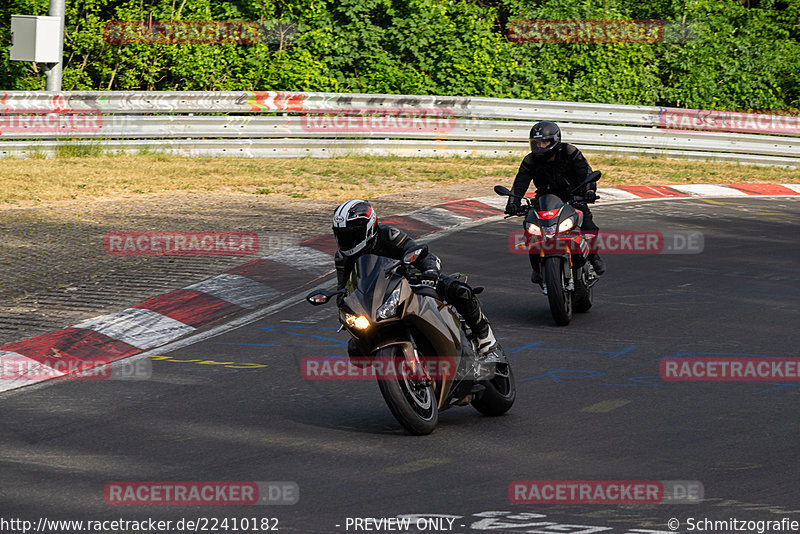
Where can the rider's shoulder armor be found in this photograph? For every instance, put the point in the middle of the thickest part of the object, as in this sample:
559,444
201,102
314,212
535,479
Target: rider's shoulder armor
569,150
392,236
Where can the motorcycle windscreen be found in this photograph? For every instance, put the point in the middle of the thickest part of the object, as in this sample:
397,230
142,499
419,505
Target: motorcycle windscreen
549,203
371,273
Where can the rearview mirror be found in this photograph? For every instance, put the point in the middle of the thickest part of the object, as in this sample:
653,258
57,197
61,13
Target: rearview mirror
317,298
321,297
591,177
501,190
413,255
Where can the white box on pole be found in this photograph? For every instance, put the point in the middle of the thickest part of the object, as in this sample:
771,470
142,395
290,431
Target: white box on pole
35,38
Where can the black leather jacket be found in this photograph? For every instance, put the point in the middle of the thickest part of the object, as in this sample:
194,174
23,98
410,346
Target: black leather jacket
389,242
558,177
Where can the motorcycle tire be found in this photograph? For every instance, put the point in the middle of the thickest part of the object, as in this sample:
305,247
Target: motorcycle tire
500,392
560,299
415,408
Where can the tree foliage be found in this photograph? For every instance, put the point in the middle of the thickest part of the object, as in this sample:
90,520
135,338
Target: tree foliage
729,54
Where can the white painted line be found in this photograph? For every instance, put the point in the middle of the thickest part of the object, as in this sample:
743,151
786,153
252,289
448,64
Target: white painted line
141,328
439,217
613,193
495,201
305,259
706,190
258,314
793,187
159,331
236,289
17,370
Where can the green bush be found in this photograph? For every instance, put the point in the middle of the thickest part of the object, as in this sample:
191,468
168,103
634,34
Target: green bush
740,54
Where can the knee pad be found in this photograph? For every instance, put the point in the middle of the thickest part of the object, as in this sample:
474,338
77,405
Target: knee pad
457,291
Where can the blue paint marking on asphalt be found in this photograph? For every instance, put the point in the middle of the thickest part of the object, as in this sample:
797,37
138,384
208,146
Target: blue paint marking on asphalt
523,347
641,381
325,359
778,385
566,375
555,374
603,353
283,330
626,350
735,354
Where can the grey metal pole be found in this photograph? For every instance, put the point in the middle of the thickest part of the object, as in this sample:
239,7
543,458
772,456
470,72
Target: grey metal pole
54,73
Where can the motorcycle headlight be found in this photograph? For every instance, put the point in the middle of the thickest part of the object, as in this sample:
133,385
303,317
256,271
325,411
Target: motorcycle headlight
549,231
360,322
566,225
389,308
533,229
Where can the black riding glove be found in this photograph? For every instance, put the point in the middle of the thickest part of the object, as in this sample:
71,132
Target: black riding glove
429,278
512,207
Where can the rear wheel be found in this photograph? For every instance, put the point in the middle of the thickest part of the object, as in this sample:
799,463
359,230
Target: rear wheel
500,392
560,299
411,401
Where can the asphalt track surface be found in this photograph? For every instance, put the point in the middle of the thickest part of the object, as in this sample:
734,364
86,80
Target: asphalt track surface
590,403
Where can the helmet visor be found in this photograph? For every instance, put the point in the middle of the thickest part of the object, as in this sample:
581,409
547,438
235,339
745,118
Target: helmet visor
542,145
349,238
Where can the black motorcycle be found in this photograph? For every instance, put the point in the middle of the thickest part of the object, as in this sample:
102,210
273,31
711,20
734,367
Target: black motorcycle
552,232
426,354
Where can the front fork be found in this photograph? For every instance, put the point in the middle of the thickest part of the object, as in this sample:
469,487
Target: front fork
566,265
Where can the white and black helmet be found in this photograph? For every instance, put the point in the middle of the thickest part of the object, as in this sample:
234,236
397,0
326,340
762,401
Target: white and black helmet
354,225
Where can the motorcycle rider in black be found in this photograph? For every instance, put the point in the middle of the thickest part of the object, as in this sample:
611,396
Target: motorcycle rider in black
555,168
357,232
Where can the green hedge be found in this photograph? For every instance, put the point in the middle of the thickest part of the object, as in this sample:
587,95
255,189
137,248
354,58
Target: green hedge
741,54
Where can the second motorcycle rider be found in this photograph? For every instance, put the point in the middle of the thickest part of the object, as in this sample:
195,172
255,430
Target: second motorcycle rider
555,168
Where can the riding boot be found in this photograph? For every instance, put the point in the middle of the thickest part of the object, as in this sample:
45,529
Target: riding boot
484,336
597,263
536,276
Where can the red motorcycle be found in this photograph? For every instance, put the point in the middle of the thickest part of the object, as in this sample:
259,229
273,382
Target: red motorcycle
552,232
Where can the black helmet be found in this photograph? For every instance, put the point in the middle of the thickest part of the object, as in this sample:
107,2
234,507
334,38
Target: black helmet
545,131
354,225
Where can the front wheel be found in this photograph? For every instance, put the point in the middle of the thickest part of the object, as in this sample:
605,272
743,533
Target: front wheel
500,392
560,299
411,401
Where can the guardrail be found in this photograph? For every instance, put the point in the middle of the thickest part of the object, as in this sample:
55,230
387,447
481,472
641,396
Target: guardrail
286,124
